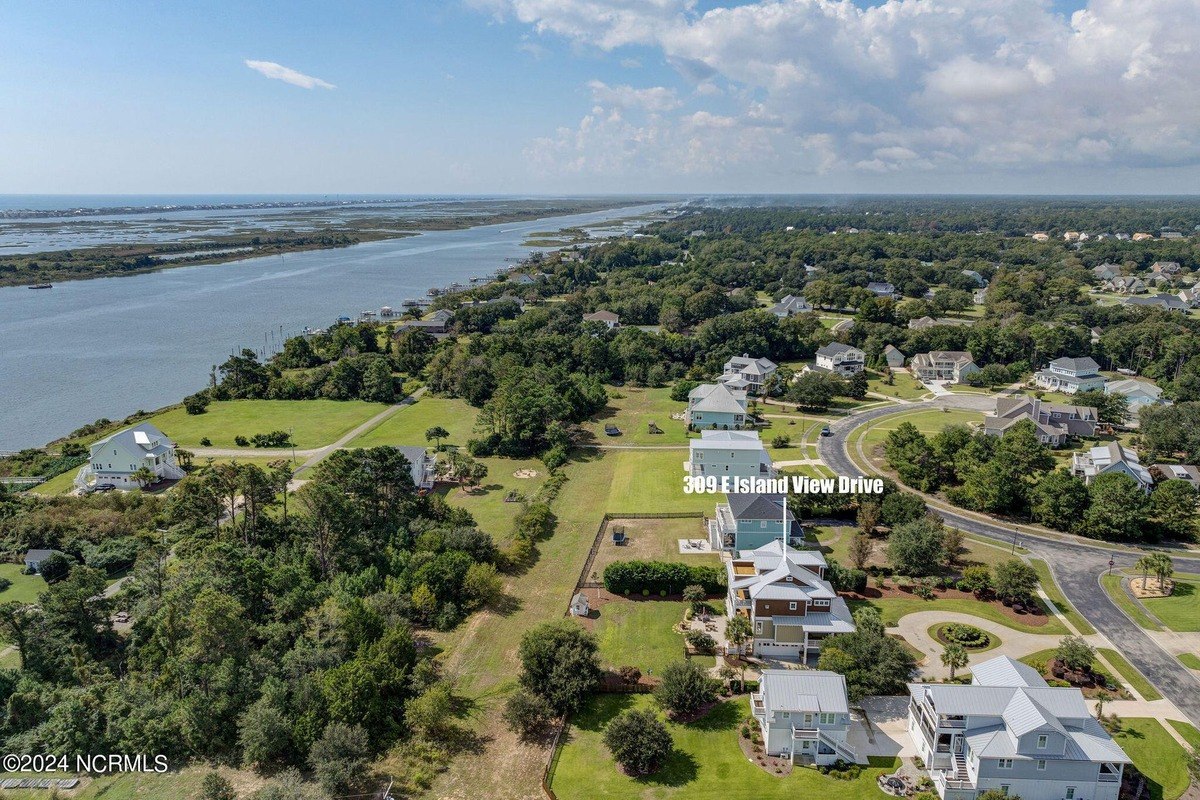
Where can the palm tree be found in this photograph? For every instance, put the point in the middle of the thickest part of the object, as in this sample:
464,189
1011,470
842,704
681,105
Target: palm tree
143,476
1147,565
1164,569
955,657
1101,699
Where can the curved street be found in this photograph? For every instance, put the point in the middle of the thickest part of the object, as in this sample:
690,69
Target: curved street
1077,564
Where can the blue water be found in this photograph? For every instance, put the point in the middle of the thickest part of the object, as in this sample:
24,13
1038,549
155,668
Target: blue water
110,346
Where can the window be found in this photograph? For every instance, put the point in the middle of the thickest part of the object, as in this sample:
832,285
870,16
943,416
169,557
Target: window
791,606
1070,793
1043,739
758,627
1004,789
762,524
1041,764
828,719
820,603
1004,763
786,714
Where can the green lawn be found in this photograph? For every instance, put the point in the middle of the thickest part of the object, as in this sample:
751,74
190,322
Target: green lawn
640,632
904,387
1056,596
1190,660
183,785
647,481
835,543
1187,731
632,410
1160,758
62,483
706,764
314,423
1116,592
655,540
928,422
486,501
893,608
993,640
1181,611
408,425
1129,673
25,588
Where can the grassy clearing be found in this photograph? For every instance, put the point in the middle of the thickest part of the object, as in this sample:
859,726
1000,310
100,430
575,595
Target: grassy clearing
183,785
62,483
632,410
641,633
25,588
1129,673
1181,611
927,422
835,543
646,481
893,608
904,385
1160,758
1116,592
1060,602
706,764
408,425
1187,731
1190,660
654,540
314,423
486,502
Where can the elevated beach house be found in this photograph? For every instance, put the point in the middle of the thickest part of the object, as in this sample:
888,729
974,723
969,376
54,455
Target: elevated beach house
1111,457
1054,423
943,365
747,374
716,406
790,605
840,359
1070,375
804,715
750,520
738,454
1010,731
114,459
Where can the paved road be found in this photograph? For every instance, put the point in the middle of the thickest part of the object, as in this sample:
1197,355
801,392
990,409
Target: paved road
1076,564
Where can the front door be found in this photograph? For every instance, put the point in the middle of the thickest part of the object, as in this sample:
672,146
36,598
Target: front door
957,745
808,721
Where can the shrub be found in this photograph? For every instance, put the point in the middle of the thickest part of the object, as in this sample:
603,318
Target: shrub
660,576
781,441
205,441
527,714
241,441
272,439
685,687
196,404
701,641
638,741
966,635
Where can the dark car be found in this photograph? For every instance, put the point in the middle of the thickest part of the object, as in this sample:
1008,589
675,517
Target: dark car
612,430
826,432
104,487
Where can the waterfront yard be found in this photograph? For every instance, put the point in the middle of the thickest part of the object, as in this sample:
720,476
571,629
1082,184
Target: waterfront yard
314,423
706,763
408,425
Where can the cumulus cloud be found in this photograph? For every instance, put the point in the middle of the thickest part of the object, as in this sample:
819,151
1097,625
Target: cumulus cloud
903,85
288,75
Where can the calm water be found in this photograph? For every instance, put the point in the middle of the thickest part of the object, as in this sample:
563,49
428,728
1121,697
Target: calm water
110,346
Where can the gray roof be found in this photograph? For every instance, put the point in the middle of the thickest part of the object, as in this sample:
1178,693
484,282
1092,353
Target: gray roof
753,366
1084,365
760,506
144,437
835,348
880,287
412,453
1004,671
817,691
38,555
717,397
1167,301
791,304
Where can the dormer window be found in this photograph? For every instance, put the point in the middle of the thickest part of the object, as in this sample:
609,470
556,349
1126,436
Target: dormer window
1042,741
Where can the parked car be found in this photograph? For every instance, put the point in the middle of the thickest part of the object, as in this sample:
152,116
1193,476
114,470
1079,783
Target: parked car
104,487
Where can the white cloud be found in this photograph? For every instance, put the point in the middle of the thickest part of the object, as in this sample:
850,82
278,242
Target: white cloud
288,75
816,86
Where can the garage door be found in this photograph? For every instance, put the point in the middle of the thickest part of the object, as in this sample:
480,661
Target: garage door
791,651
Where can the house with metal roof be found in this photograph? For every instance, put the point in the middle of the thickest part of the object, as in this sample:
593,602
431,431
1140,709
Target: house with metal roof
804,715
1070,375
1111,457
790,605
1010,731
883,289
114,459
736,454
789,305
422,467
943,365
748,520
1138,394
716,406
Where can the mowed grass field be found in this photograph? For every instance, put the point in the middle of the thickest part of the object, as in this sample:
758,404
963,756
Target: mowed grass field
1181,611
1160,758
655,540
927,422
25,588
640,633
315,423
408,425
706,762
904,385
486,502
632,410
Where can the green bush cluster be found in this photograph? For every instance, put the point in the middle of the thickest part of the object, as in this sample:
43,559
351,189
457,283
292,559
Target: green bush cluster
655,577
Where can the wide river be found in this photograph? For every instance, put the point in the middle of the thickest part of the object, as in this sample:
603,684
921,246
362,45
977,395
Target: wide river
110,346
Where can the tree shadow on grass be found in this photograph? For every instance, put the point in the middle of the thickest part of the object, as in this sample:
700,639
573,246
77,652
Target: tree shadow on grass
601,710
724,716
1182,589
680,769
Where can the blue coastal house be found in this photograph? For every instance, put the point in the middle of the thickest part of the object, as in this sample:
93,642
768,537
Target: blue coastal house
716,406
749,521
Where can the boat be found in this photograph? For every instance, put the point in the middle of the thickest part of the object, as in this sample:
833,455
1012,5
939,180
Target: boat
368,313
410,303
343,319
41,286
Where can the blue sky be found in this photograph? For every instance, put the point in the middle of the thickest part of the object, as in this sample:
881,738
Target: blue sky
599,96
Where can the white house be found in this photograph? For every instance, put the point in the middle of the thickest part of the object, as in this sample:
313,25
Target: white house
943,365
840,359
804,715
1111,457
422,466
737,454
790,305
1070,375
746,373
34,559
607,318
1010,731
114,459
893,357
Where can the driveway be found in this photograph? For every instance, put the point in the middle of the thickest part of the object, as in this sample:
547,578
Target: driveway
882,728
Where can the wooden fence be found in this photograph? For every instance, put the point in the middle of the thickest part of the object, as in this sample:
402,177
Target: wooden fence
585,581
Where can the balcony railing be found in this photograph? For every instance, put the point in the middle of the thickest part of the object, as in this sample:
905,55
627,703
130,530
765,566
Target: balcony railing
939,778
804,733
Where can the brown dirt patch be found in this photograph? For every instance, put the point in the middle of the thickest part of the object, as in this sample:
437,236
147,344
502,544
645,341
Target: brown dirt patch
525,473
1151,587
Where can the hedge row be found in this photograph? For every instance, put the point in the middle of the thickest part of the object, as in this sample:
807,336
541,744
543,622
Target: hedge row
656,577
